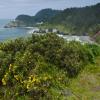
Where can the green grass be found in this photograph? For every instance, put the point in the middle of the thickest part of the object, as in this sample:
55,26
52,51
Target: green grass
87,85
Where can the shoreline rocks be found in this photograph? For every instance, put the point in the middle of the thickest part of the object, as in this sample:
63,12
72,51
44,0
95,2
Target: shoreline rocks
15,23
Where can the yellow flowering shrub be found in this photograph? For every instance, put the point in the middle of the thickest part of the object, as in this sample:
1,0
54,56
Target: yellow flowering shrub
31,83
39,68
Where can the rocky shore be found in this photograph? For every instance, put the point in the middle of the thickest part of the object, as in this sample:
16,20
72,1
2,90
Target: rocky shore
15,23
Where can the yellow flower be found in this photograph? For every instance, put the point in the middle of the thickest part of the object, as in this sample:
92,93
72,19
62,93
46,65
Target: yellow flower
16,94
60,78
5,76
33,80
3,81
28,86
10,67
45,78
30,78
22,82
35,88
16,77
29,62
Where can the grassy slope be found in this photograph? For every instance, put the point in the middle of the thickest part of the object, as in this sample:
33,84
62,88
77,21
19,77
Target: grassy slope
87,85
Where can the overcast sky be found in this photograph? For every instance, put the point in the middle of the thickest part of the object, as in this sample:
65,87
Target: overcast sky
12,8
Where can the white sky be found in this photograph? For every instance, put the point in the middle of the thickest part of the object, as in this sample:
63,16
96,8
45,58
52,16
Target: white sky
12,8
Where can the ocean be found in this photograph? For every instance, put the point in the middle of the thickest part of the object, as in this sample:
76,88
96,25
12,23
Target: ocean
12,33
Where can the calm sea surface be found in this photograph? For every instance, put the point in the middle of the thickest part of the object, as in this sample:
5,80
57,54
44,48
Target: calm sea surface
11,33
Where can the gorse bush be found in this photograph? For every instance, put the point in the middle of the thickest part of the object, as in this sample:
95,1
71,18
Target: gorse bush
74,57
32,67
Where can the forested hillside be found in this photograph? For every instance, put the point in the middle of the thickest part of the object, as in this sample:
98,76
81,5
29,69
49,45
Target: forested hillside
45,15
42,16
78,20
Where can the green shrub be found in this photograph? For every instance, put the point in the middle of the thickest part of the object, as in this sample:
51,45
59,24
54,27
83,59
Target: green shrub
41,65
95,49
74,57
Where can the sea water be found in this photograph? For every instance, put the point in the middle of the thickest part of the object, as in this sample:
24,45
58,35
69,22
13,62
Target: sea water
11,33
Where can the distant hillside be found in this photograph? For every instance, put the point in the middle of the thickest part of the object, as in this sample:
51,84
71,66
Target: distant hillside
26,19
46,15
42,16
78,20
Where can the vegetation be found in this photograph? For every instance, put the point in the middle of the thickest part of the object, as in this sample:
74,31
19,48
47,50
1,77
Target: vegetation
43,15
87,85
78,20
25,20
45,67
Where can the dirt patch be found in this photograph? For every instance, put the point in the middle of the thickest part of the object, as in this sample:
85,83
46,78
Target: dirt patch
96,89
